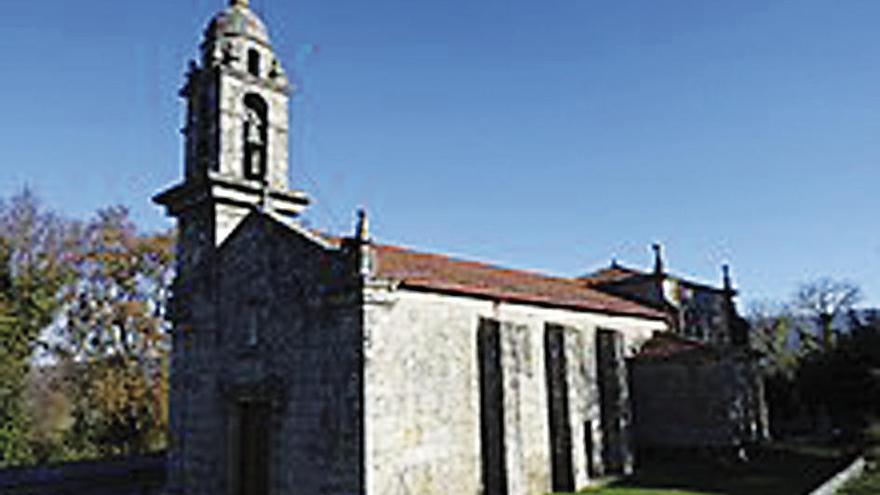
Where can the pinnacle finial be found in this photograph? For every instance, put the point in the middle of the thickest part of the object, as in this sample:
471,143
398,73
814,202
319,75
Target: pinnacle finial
658,258
363,226
238,3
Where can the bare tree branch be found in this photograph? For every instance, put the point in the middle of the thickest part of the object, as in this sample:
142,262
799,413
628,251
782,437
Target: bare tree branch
824,299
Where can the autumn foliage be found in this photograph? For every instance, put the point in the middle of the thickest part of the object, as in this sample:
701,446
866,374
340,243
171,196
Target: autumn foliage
82,320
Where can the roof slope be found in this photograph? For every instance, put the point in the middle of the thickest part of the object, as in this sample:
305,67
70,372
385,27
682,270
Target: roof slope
668,346
444,274
617,274
611,275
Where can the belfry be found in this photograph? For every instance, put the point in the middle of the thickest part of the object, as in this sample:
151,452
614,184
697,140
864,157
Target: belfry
236,131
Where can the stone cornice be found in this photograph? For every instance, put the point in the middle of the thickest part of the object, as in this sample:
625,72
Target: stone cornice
226,190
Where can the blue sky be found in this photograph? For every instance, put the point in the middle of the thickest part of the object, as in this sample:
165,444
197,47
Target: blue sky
546,135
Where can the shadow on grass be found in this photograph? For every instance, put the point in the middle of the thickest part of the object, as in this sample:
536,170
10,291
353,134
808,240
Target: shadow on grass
776,470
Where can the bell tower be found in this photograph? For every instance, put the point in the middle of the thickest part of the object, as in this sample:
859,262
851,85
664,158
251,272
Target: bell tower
236,130
235,163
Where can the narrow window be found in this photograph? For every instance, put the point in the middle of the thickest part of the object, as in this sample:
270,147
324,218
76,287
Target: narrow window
492,448
255,137
254,62
253,448
592,472
614,403
562,467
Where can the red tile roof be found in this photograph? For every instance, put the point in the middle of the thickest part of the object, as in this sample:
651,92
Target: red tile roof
444,274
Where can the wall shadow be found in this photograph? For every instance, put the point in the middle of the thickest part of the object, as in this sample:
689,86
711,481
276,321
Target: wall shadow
768,471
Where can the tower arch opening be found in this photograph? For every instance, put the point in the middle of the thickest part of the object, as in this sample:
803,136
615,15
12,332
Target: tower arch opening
256,124
253,61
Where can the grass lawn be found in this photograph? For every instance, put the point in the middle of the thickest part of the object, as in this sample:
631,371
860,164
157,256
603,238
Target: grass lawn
640,491
774,470
867,484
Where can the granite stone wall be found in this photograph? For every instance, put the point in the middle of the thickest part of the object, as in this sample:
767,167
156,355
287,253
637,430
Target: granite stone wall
279,324
372,388
143,475
422,402
691,403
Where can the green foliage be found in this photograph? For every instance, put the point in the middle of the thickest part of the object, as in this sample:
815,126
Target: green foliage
772,332
840,386
86,301
114,328
33,246
819,366
47,400
866,484
13,448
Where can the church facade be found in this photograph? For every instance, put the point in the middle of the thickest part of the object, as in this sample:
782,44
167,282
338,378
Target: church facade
314,364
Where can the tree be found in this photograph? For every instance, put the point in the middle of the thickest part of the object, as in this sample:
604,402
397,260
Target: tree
823,300
47,399
114,333
83,341
842,383
772,329
34,246
859,358
13,447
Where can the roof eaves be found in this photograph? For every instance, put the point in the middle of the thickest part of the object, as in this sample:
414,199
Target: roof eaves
548,302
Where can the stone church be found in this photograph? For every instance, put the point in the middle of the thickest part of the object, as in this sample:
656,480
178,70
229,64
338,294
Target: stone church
315,364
